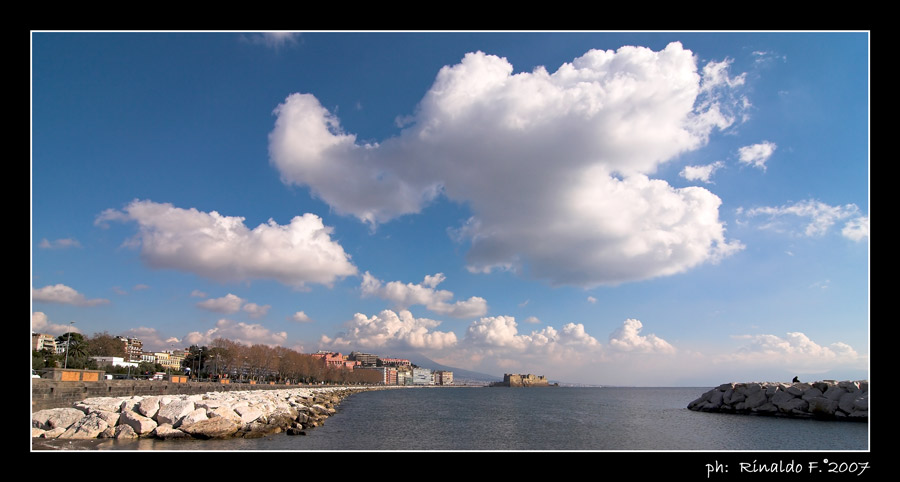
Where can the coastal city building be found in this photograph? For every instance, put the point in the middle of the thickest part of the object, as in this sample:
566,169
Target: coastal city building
364,359
443,377
423,376
113,361
41,341
133,348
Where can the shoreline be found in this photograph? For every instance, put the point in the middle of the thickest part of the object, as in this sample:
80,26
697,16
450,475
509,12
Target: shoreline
212,415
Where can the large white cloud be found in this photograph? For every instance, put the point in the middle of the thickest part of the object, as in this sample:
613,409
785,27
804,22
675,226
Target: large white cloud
405,295
543,160
60,293
224,249
390,329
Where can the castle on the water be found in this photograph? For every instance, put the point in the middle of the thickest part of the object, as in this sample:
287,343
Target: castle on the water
515,380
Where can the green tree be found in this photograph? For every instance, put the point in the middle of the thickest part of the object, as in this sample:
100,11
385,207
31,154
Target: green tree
76,355
104,344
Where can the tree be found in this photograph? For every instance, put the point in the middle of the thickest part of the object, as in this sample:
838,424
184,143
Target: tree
104,344
75,355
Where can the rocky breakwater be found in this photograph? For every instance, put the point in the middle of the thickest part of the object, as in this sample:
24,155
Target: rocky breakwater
251,413
828,399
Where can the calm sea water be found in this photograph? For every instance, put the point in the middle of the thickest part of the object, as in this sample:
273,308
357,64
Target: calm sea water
539,419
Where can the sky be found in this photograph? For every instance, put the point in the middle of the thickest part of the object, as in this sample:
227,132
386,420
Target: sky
612,208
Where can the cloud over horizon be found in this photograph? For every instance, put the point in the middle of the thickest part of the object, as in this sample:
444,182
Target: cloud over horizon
222,248
537,156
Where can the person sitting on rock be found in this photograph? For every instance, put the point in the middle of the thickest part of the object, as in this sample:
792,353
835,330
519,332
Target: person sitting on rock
795,380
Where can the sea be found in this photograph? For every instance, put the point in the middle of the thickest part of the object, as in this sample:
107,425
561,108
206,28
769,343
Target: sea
528,419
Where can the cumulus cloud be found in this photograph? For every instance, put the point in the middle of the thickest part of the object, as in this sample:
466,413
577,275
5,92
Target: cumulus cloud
390,329
301,317
628,338
230,303
243,333
756,155
222,248
701,173
591,299
227,304
537,156
857,229
797,351
501,332
405,295
40,323
60,293
820,217
59,243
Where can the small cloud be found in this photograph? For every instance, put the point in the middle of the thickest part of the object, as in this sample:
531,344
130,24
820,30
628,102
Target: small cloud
227,304
856,229
256,311
63,294
822,285
701,173
756,155
273,40
821,217
532,320
59,244
628,338
140,287
119,291
301,317
591,299
198,294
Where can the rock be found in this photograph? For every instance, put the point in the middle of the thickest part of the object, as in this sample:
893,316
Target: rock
56,418
173,412
166,432
248,414
195,416
86,428
106,404
825,399
821,406
217,427
125,432
148,407
142,425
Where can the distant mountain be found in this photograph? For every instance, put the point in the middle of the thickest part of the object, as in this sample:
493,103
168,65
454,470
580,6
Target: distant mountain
421,360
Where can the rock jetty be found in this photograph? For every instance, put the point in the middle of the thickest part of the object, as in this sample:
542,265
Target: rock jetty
251,413
828,399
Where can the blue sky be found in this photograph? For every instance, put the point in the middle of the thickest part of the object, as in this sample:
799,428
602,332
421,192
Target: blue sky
639,208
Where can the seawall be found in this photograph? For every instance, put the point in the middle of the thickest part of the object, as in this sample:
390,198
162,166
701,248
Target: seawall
826,399
47,393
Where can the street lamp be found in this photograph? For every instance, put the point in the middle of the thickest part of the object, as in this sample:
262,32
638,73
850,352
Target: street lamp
68,338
